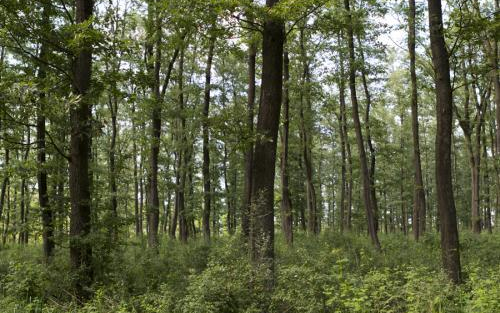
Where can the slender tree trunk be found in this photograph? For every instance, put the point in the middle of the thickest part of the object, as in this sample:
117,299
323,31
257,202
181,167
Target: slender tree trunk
305,132
365,175
247,188
79,175
182,158
206,148
343,142
154,54
23,235
419,210
444,102
43,197
369,142
262,230
113,108
286,201
138,228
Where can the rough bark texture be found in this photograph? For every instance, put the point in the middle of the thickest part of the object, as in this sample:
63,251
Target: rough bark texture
444,108
419,210
286,201
79,179
262,217
206,149
365,175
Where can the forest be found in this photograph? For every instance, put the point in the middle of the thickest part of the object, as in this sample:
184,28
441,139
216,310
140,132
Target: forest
249,156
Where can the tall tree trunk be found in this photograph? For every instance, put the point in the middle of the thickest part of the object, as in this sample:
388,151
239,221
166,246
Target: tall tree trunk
365,175
138,226
444,103
286,201
262,230
305,134
113,108
154,54
43,197
369,142
404,213
79,175
419,210
247,188
343,142
182,158
23,235
206,148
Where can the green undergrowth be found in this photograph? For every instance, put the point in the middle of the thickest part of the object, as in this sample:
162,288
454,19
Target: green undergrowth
330,273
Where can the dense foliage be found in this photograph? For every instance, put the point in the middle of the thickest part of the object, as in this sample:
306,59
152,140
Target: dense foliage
330,273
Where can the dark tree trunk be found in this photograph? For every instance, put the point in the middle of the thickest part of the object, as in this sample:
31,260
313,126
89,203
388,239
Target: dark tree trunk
365,175
113,108
79,175
247,188
444,103
206,148
419,210
43,197
154,54
23,223
262,229
369,142
286,201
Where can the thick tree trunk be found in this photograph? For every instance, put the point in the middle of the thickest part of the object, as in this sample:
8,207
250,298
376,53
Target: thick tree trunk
286,201
419,210
79,175
154,54
365,175
206,149
444,103
262,229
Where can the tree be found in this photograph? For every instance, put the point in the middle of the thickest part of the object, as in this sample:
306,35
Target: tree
80,144
418,189
444,116
365,175
264,160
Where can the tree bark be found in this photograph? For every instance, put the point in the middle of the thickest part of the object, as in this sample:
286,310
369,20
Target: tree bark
444,103
79,175
264,161
369,142
286,201
343,141
365,175
206,149
306,133
247,188
419,210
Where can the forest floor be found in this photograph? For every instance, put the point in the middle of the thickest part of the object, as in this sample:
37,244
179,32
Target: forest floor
330,273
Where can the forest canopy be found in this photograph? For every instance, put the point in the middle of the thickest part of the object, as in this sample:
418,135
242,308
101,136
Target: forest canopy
249,156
